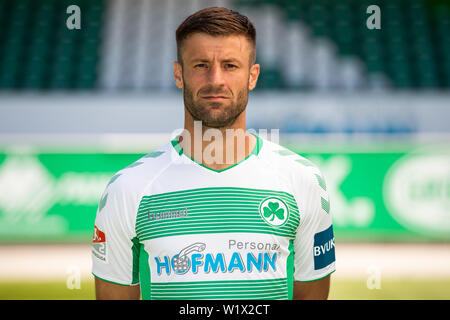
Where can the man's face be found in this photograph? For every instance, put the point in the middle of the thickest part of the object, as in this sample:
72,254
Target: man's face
216,77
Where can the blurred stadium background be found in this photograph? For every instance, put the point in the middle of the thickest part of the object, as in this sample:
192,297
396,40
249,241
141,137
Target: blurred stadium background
371,107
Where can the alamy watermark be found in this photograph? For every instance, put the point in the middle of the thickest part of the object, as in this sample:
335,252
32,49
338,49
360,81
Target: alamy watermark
74,277
74,20
207,145
374,279
374,20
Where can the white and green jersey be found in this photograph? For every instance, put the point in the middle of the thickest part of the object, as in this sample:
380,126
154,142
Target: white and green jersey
185,231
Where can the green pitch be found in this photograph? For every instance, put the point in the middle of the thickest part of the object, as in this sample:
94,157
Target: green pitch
340,289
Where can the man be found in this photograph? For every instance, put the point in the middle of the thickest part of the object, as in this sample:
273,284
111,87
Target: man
219,212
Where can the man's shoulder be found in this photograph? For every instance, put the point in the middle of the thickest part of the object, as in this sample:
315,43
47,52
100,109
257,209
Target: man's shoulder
140,172
288,159
297,170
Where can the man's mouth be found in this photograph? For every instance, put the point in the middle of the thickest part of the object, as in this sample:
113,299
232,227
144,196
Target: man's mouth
214,98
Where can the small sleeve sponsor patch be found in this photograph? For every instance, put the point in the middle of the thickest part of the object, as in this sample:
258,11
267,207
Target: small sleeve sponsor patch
99,244
324,248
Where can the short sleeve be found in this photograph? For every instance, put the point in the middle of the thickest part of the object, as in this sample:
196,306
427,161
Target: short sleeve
314,251
115,249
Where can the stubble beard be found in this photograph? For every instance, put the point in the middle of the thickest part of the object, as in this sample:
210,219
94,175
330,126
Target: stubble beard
200,112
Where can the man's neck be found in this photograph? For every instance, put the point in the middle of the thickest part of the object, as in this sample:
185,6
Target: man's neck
215,148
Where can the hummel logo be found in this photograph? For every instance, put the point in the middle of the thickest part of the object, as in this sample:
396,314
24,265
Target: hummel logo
152,216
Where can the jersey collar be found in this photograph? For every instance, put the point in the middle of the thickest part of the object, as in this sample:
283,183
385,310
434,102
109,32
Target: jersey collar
255,151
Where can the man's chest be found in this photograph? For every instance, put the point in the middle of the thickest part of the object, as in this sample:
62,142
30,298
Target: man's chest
217,210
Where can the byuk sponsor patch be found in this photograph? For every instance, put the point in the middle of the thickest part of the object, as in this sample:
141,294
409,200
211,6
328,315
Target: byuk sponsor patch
324,248
99,244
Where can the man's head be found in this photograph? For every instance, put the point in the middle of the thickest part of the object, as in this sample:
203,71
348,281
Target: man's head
218,22
215,67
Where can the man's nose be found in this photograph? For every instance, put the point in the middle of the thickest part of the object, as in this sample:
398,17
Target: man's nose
216,75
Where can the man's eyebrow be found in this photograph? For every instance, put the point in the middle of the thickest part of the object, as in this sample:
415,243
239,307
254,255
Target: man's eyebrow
199,60
206,60
231,60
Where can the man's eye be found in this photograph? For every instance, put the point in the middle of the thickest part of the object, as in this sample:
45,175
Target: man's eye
230,66
200,65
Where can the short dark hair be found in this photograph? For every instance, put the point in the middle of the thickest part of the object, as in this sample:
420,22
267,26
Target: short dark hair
216,21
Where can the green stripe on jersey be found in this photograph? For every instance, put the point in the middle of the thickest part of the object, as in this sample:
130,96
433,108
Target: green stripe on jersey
232,289
305,162
285,152
136,251
211,210
321,182
325,205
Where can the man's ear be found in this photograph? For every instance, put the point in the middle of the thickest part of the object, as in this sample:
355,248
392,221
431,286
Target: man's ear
253,76
178,74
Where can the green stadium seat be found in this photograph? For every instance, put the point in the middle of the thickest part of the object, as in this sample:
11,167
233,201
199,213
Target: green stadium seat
270,79
412,48
38,51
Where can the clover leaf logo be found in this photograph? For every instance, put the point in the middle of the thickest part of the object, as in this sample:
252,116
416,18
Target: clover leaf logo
274,211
